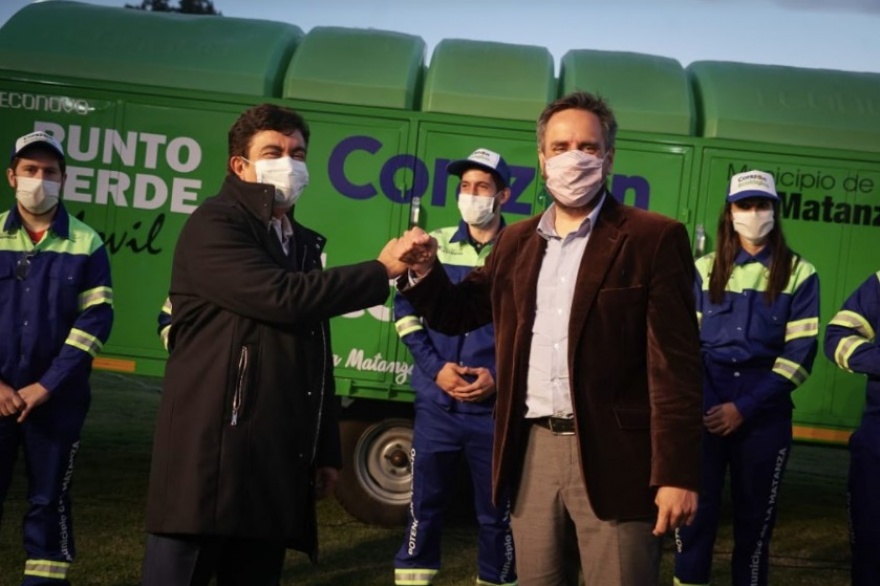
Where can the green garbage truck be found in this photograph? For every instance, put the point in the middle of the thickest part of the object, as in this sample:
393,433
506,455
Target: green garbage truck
142,101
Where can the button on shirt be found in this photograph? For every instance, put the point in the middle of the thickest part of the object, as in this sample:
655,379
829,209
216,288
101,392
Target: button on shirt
548,391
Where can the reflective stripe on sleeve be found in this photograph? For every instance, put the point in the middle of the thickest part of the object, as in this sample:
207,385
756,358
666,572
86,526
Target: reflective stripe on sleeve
845,349
84,341
164,335
790,370
407,325
46,569
166,307
699,319
853,320
802,328
95,296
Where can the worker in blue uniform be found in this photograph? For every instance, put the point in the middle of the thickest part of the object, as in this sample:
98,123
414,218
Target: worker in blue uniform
758,308
851,342
56,310
454,382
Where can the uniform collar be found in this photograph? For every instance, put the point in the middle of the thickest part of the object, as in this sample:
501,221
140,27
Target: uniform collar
763,257
60,225
462,234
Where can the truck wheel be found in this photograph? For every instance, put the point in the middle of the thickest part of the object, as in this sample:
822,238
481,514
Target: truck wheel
374,484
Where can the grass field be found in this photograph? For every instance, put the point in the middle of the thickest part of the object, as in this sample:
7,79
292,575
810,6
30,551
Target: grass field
809,545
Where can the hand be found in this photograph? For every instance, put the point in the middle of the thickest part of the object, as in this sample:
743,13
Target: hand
450,378
418,250
723,419
325,481
10,401
390,257
676,507
481,388
33,396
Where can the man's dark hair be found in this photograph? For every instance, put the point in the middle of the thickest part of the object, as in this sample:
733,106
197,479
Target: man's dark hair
581,101
264,117
45,149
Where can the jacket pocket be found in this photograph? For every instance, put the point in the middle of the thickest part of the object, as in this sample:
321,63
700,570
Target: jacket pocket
241,382
64,282
632,418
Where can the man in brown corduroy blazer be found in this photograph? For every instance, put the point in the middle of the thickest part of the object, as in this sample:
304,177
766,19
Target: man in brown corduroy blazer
598,415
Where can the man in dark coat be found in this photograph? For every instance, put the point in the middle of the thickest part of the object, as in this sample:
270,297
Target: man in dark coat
598,411
247,434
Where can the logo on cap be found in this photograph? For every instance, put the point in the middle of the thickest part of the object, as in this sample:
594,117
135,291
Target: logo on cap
38,137
751,184
482,159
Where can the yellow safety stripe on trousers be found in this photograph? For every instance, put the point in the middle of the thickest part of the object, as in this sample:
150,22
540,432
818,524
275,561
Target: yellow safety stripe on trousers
84,341
790,370
481,582
46,569
699,319
407,325
855,321
802,328
677,582
95,296
845,349
413,576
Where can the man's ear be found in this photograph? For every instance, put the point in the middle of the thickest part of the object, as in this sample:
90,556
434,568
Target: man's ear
10,176
503,196
236,165
609,161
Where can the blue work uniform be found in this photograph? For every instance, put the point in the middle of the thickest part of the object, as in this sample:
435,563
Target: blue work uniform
851,342
445,428
754,354
56,310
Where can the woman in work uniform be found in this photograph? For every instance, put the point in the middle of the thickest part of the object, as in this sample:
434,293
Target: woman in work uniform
851,342
758,308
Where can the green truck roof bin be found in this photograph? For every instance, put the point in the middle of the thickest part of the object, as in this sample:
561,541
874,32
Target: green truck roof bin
481,78
647,93
357,66
788,105
179,51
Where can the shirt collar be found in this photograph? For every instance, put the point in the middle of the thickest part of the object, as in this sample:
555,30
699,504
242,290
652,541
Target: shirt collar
60,224
547,223
281,222
763,257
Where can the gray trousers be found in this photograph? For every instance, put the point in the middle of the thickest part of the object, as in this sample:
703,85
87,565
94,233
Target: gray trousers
551,490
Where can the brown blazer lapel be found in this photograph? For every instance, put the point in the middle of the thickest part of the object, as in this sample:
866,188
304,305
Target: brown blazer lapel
606,238
529,256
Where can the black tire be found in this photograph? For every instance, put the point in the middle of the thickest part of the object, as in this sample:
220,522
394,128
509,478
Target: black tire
374,484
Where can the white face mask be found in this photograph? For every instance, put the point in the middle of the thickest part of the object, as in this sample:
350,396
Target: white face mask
574,178
753,225
37,196
476,210
289,176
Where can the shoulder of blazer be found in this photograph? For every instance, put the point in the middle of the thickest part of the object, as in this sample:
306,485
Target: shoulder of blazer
636,220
